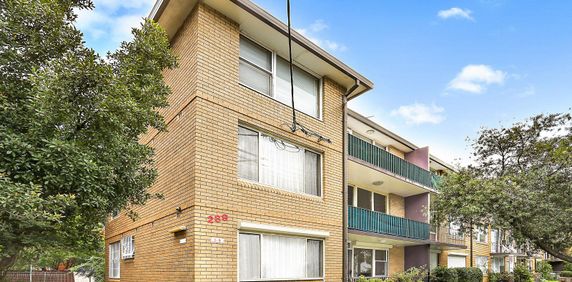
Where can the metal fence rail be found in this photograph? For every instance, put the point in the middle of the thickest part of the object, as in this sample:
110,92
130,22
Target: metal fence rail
40,276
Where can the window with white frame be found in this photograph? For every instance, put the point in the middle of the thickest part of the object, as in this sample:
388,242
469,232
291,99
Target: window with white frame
498,264
369,262
483,264
481,234
128,247
370,200
277,163
265,256
455,229
269,74
114,257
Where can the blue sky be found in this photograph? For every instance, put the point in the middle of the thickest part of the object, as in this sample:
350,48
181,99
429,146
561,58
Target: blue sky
442,69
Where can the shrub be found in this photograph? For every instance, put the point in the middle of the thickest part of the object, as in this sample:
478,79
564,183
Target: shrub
363,279
545,269
413,274
443,274
469,274
566,273
522,274
501,277
567,266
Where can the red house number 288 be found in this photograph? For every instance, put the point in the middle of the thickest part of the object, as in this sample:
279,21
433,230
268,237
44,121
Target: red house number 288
217,218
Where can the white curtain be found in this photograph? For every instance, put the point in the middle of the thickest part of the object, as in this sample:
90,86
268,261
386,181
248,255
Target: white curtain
314,259
312,173
114,253
306,88
249,260
283,257
247,154
281,164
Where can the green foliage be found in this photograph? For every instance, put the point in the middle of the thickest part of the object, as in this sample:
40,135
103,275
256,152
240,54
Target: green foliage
413,274
93,267
69,126
565,273
522,274
469,274
501,277
567,266
545,269
364,279
520,182
443,274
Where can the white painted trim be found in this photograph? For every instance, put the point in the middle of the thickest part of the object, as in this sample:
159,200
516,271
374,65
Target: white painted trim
370,245
457,254
155,9
251,226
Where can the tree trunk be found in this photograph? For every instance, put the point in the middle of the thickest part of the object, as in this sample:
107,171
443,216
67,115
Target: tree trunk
554,252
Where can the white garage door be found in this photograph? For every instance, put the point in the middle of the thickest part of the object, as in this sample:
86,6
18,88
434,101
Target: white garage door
456,261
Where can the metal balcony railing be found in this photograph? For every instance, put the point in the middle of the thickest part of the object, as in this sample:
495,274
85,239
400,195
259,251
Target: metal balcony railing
379,157
382,223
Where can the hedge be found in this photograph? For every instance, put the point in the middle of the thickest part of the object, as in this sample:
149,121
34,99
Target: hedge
469,274
565,273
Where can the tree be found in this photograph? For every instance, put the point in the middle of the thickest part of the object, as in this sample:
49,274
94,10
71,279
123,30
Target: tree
520,181
69,125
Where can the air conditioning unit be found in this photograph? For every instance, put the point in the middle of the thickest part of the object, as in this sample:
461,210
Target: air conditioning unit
128,247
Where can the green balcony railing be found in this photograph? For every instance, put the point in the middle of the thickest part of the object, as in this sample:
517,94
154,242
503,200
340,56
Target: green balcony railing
382,223
381,158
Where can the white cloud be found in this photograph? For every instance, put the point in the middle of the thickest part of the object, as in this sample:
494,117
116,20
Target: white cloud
316,27
112,20
474,78
418,113
456,13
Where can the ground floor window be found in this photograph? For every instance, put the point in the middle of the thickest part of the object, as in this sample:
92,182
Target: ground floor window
498,264
370,262
265,256
483,264
114,254
456,261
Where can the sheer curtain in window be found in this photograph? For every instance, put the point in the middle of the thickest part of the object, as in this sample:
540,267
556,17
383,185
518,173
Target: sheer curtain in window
314,259
281,164
312,173
249,256
114,253
247,154
306,88
283,257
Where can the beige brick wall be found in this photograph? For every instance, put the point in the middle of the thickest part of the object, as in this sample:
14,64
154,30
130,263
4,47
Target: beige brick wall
396,205
197,156
396,260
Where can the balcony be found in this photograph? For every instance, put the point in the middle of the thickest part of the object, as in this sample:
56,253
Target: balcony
380,158
444,235
382,223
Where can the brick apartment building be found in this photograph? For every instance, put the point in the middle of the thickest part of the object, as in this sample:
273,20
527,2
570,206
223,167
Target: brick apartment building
244,197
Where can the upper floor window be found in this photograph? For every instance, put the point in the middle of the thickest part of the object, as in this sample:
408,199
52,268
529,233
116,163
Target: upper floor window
274,162
481,234
269,74
367,200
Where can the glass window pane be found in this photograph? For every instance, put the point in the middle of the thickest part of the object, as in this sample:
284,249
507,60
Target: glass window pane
255,54
350,196
314,259
247,154
254,78
364,199
363,262
381,255
312,173
283,257
281,164
306,88
249,256
380,268
379,202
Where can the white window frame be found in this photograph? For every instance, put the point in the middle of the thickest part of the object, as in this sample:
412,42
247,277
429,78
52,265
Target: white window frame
261,252
128,247
373,261
321,163
486,265
481,235
273,79
110,262
355,199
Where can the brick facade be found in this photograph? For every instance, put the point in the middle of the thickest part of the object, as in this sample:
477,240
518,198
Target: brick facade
197,164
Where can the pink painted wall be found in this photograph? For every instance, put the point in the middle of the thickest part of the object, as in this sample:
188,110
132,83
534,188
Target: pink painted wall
419,157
